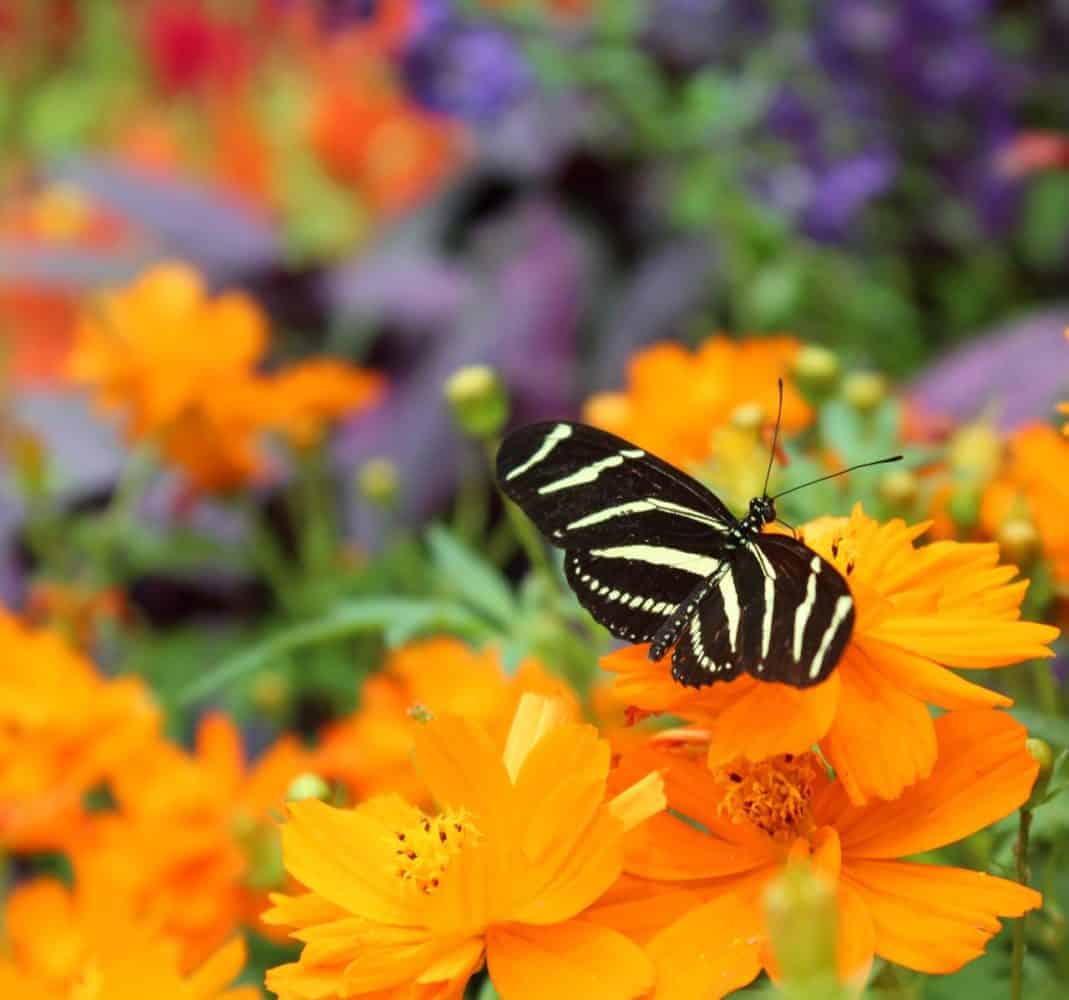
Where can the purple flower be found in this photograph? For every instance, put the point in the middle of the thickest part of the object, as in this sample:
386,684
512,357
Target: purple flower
843,190
462,68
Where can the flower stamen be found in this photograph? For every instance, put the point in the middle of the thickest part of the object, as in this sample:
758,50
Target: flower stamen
424,848
774,795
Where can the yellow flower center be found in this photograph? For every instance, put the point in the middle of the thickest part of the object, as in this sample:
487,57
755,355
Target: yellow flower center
424,847
773,794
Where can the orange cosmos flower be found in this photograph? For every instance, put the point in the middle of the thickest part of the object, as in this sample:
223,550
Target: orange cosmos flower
63,731
677,398
919,610
1033,487
179,366
370,753
182,366
69,945
309,396
754,818
193,845
409,902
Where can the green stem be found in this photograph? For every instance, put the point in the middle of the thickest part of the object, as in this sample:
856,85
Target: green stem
1046,687
1024,826
317,529
528,536
469,515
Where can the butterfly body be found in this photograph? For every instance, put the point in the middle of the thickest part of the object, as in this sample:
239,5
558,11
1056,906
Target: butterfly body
656,557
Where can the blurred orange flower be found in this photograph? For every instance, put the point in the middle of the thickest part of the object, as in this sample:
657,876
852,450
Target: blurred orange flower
309,396
746,821
370,753
63,731
371,138
409,902
676,398
1033,486
201,827
68,945
919,610
181,367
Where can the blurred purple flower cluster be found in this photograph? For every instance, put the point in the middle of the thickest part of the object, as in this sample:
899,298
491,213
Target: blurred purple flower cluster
460,66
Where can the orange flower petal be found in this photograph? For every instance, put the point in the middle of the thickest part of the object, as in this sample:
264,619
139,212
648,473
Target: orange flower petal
463,770
931,918
667,848
558,789
714,949
928,681
768,719
640,908
571,959
856,934
967,640
220,970
466,898
219,746
340,854
560,891
983,772
882,738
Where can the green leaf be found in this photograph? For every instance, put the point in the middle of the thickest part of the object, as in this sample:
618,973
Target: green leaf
370,614
1046,215
467,575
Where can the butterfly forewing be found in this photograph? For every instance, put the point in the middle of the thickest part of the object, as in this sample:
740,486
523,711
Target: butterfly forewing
586,488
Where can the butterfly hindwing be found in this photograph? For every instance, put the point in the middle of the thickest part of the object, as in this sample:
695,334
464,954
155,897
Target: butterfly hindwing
814,617
632,598
780,613
585,488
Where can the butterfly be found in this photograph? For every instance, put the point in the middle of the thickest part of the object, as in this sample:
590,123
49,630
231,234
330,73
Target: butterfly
657,557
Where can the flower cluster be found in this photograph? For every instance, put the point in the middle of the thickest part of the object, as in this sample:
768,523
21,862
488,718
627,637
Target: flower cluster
463,814
183,369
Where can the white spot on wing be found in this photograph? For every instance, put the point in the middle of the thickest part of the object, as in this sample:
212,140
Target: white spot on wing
552,439
590,473
842,609
805,609
730,597
659,555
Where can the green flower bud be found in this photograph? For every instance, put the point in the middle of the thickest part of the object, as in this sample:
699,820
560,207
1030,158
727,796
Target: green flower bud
1019,540
748,416
817,371
1043,755
975,452
308,786
270,692
865,391
478,400
379,482
898,489
803,926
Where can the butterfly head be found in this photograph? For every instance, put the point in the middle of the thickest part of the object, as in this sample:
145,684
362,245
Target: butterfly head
762,512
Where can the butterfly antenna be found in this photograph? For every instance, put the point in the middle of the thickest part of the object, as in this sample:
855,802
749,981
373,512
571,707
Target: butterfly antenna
775,438
841,472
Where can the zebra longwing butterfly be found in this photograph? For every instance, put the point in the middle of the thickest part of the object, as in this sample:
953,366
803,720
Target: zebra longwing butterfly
656,557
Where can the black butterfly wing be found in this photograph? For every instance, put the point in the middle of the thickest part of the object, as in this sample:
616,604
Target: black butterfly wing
585,488
779,612
640,534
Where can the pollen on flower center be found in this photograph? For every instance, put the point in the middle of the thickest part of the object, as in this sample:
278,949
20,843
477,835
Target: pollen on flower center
773,794
424,847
